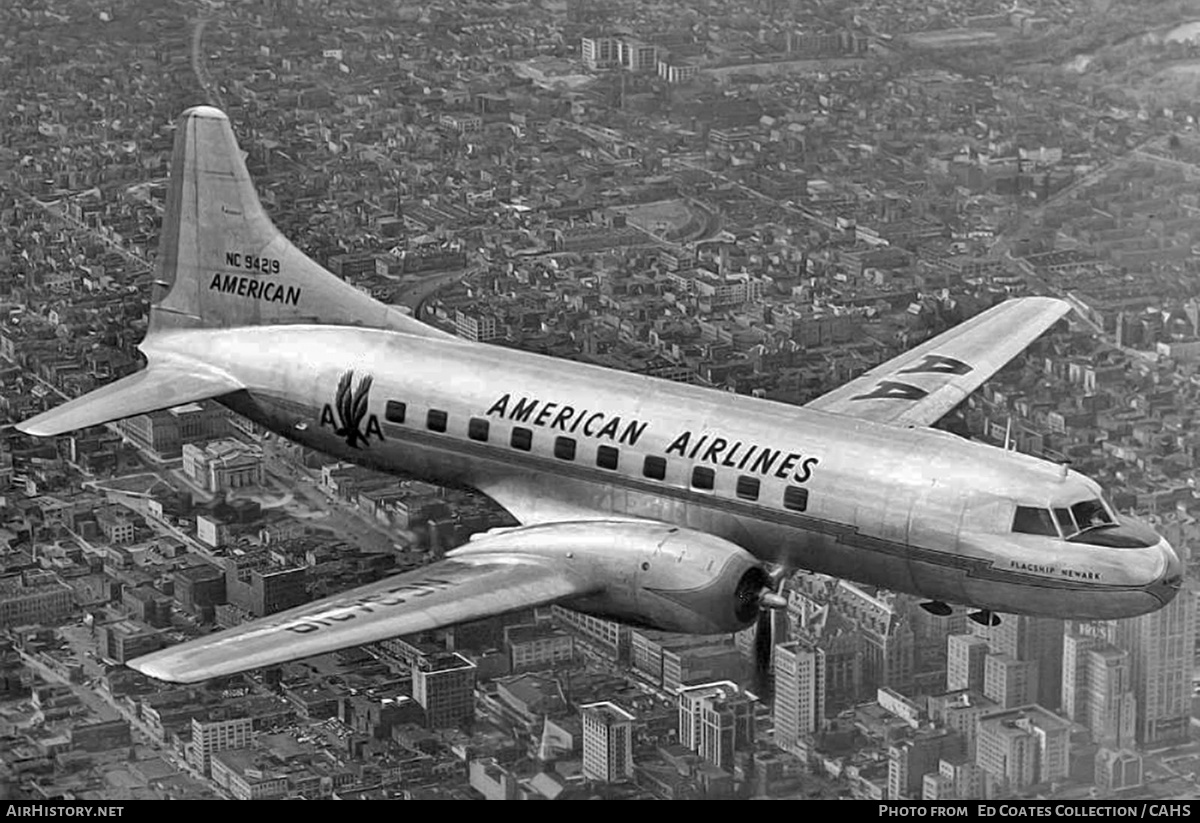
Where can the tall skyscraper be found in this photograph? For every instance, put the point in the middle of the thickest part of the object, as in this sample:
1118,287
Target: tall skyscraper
816,616
1021,747
965,655
842,645
1038,639
888,640
716,720
216,736
1162,650
444,685
1009,681
1112,707
607,742
799,706
1075,686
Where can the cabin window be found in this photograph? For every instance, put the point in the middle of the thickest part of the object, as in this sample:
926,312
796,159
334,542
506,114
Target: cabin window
477,429
655,467
1029,520
564,448
435,421
522,439
394,411
607,457
795,498
703,478
747,488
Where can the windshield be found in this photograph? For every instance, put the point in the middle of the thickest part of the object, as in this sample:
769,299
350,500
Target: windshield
1091,513
1091,522
1084,515
1063,522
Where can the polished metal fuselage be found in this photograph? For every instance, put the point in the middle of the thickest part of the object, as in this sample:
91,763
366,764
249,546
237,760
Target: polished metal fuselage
912,510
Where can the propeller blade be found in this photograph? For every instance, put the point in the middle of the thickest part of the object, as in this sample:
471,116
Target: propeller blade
776,576
771,601
763,644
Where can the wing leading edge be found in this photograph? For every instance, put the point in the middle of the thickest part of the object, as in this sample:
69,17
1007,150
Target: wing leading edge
920,386
449,591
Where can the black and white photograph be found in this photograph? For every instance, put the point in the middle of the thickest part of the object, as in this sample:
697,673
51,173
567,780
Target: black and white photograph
601,400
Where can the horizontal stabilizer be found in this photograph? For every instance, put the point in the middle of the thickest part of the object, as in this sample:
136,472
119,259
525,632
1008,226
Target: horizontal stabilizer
160,386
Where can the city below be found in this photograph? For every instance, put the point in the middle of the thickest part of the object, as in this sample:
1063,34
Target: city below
768,197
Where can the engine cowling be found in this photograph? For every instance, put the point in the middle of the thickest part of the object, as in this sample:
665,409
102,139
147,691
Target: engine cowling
645,573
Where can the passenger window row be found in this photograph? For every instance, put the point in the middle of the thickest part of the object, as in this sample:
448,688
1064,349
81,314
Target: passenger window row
654,467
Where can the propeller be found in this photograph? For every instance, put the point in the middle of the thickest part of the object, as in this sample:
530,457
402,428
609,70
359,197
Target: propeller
769,601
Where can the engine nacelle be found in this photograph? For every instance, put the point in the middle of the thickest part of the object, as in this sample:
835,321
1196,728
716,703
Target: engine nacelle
645,573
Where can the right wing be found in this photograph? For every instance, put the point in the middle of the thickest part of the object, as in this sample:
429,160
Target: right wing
920,386
443,593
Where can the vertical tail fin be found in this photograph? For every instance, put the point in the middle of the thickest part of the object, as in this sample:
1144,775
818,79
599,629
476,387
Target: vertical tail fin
222,263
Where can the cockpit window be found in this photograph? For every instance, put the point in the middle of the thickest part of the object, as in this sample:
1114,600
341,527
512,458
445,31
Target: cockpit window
1090,522
1091,513
1065,523
1029,520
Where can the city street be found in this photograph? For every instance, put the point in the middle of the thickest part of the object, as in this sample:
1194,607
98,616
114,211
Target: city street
106,708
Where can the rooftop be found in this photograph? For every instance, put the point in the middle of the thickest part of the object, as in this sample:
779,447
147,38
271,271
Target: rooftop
607,713
445,662
1025,716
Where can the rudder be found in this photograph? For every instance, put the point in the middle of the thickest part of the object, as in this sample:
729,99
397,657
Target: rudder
222,263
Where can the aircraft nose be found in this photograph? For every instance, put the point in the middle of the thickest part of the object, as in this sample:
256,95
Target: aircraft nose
1168,585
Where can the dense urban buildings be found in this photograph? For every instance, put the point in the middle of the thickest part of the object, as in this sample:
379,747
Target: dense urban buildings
443,684
715,721
215,736
607,742
1023,747
799,699
764,198
1161,649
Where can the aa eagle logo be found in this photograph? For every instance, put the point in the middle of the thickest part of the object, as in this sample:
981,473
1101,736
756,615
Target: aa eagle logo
351,411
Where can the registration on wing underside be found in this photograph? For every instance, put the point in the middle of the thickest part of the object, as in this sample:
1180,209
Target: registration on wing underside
367,604
443,593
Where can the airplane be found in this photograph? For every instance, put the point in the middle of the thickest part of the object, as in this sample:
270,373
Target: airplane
654,503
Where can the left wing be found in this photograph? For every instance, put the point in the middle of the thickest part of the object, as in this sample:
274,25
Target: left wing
441,594
920,386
